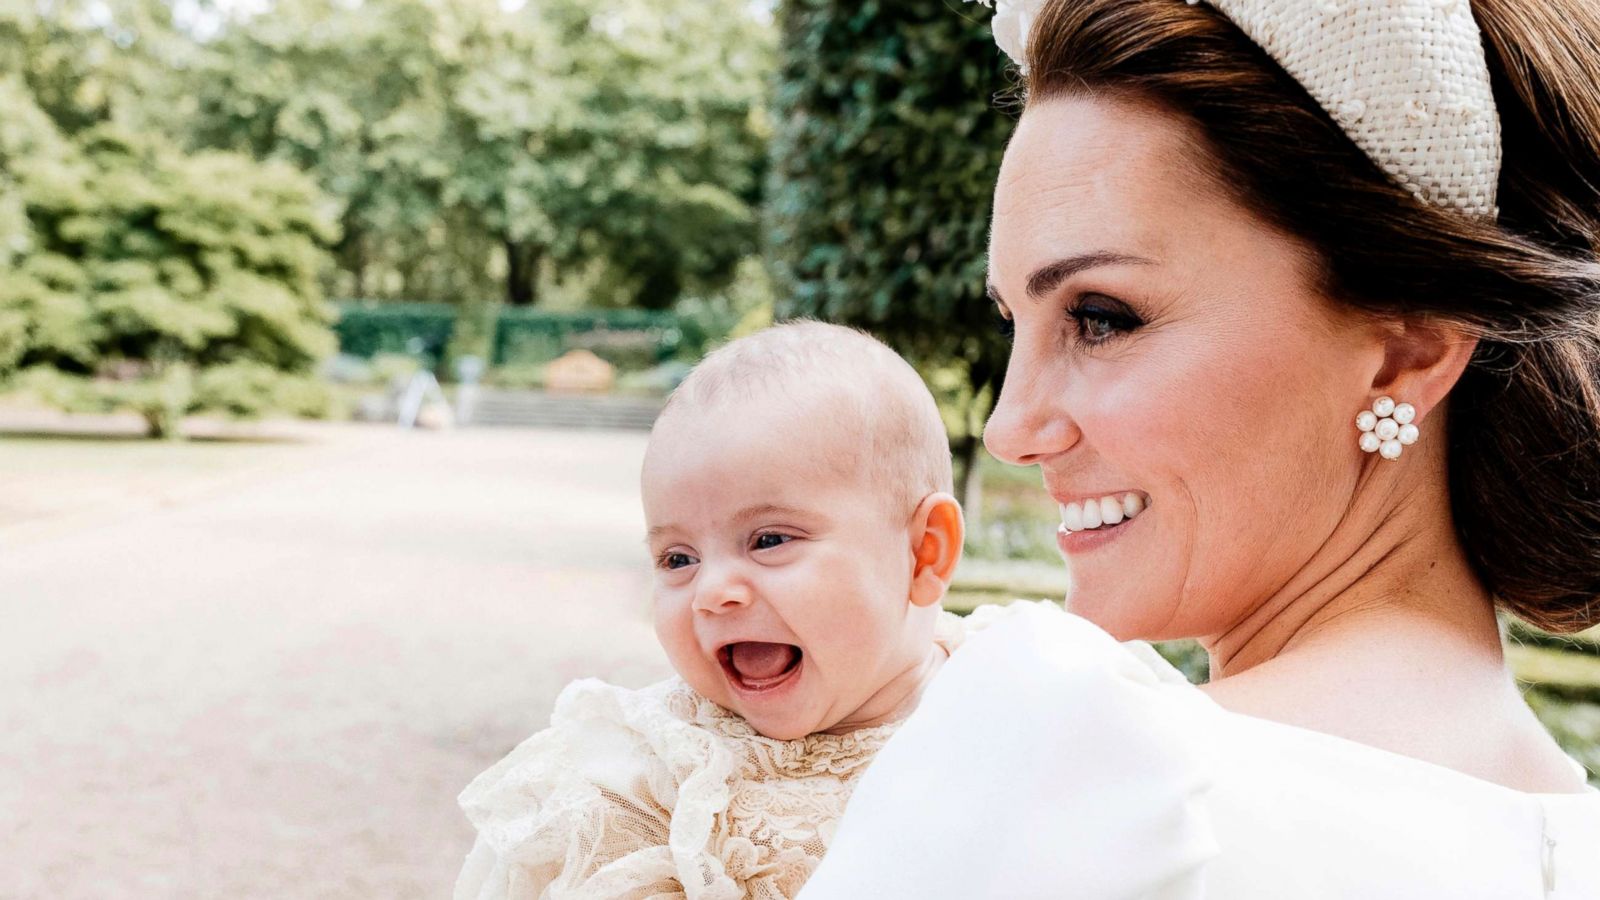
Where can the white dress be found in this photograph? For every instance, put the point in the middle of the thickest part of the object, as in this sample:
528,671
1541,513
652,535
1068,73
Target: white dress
1047,760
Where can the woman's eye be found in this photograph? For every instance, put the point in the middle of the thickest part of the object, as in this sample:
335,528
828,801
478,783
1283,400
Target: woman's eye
1097,324
675,560
769,539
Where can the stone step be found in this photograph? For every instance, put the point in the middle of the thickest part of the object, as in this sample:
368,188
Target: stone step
536,409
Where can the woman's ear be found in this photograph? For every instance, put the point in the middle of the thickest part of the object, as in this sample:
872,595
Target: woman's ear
1422,360
937,532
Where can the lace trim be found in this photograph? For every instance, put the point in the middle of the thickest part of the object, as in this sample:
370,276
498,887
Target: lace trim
814,754
630,791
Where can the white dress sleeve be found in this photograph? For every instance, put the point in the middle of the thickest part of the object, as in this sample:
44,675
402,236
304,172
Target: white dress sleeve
1046,760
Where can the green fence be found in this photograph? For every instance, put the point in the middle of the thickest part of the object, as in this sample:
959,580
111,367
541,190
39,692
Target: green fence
627,338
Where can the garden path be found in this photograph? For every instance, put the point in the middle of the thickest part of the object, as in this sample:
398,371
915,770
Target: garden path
276,686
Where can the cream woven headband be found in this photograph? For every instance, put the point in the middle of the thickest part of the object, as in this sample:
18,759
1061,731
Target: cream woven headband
1406,79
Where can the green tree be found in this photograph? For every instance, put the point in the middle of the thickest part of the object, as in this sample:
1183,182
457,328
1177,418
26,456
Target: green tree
885,155
354,95
161,282
673,142
463,138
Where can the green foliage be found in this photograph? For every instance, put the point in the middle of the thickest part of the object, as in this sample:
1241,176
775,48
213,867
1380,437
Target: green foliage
1520,632
138,277
884,161
1574,724
744,307
1559,673
470,145
626,337
367,328
523,339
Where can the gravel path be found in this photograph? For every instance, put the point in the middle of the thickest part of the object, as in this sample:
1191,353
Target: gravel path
278,688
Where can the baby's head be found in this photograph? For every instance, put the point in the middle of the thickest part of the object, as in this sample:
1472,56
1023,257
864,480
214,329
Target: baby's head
797,491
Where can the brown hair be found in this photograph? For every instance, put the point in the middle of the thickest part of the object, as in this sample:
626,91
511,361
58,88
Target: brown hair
1524,419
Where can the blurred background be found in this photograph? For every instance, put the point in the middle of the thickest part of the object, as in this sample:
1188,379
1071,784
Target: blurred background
330,334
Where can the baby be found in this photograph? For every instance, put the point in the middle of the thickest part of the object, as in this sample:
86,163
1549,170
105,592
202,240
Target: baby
797,494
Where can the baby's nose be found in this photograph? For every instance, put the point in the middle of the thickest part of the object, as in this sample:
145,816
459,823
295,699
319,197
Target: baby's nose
722,595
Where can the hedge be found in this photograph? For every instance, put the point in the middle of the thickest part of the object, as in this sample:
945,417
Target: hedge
367,328
628,338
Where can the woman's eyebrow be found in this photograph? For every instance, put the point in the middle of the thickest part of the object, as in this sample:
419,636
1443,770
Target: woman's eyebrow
1049,276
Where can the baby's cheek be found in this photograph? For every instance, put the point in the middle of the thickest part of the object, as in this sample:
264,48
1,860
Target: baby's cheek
853,647
675,631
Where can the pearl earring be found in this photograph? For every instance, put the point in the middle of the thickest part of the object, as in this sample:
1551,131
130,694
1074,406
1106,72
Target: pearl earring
1382,434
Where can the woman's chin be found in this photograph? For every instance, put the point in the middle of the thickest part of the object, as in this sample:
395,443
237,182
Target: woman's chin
1112,614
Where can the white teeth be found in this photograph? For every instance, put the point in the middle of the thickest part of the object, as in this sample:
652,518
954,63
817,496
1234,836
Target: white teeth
1072,516
1091,515
1108,510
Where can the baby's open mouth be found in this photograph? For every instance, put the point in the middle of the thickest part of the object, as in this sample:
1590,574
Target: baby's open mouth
758,665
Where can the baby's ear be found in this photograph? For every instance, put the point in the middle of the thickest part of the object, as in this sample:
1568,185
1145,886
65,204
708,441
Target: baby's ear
937,532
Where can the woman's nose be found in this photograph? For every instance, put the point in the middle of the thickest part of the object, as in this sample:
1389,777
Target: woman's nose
1028,424
723,591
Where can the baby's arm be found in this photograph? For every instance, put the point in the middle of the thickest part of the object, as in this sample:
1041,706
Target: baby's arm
582,809
617,850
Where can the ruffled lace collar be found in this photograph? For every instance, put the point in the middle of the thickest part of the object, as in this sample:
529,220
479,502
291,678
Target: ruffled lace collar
814,754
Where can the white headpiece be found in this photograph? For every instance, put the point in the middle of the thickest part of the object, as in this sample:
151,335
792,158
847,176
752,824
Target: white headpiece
1406,79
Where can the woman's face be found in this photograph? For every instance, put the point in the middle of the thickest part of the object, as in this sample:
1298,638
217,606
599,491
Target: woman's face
1168,344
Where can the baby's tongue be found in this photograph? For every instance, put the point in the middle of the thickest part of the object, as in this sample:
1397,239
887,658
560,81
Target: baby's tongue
758,661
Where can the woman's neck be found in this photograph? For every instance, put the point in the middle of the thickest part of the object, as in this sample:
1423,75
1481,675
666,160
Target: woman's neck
1407,573
1390,639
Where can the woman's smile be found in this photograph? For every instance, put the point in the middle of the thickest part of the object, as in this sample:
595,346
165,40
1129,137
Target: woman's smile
1083,540
1098,512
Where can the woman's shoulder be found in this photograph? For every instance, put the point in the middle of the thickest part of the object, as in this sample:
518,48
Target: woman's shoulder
1058,758
1075,655
1334,817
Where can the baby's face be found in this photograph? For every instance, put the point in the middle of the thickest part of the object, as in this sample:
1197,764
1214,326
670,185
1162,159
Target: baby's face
781,586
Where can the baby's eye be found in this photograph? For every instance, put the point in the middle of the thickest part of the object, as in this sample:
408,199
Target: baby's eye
674,560
766,540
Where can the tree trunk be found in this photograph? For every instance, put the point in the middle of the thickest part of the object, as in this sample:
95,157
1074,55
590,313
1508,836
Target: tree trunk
158,425
969,484
522,272
986,384
352,255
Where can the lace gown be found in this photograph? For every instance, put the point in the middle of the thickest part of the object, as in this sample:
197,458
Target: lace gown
660,793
